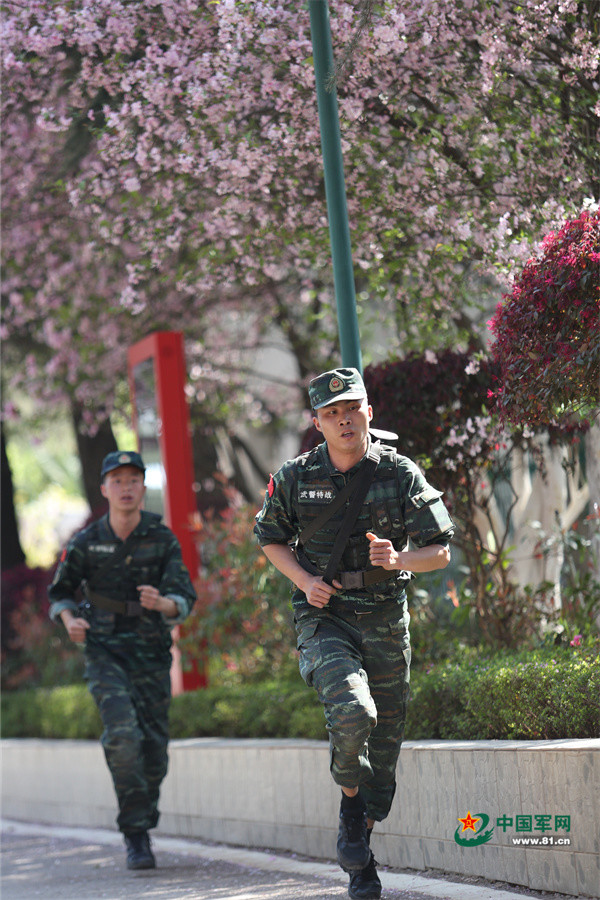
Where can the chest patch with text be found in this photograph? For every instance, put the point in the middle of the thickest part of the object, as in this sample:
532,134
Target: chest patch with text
316,494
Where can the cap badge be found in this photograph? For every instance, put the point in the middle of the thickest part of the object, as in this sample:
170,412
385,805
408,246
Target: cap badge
336,384
124,458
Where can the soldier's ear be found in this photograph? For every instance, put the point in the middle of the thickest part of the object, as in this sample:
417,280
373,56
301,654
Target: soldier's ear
317,424
103,489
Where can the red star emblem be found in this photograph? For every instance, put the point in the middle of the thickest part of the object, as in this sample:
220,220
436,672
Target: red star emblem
469,822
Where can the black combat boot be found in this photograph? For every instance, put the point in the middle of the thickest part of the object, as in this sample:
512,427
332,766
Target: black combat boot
365,885
139,854
353,852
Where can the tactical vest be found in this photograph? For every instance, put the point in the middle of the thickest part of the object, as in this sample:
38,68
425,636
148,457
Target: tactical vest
381,512
142,566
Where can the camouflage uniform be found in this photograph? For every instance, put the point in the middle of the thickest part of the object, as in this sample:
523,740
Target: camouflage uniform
356,650
128,658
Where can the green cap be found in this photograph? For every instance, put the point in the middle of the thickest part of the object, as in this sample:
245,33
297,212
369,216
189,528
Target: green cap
121,458
338,384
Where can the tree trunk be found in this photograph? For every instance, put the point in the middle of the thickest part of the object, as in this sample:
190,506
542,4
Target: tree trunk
92,449
11,552
592,467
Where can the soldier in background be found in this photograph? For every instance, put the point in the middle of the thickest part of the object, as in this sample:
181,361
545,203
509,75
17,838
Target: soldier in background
352,628
136,588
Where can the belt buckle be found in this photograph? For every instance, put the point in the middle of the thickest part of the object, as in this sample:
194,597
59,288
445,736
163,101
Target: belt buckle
352,581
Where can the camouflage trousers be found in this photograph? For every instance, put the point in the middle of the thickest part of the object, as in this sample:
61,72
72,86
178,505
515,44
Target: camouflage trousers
359,664
134,708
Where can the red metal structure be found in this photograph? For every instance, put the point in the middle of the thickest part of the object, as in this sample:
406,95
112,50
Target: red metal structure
157,377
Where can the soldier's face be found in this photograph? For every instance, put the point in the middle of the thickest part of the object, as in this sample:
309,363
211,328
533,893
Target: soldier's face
124,488
345,425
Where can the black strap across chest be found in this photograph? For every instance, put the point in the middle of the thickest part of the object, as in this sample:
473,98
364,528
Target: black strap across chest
357,489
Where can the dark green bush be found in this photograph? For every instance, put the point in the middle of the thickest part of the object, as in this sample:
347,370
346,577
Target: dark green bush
543,694
61,712
537,695
269,710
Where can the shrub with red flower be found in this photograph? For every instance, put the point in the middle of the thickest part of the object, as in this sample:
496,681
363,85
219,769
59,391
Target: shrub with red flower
441,407
547,331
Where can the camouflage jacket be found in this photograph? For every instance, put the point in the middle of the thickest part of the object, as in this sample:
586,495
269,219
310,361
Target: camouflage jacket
400,505
155,559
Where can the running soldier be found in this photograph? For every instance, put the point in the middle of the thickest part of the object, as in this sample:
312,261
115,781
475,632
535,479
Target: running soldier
135,588
352,622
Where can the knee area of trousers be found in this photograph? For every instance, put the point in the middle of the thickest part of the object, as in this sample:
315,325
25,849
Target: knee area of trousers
354,725
122,746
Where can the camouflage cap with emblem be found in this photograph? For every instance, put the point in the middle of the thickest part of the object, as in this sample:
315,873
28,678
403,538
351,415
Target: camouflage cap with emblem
121,458
338,384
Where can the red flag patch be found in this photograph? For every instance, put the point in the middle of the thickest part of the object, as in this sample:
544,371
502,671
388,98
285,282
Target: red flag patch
271,487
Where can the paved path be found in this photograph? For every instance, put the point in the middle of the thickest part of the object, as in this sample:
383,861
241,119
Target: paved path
39,861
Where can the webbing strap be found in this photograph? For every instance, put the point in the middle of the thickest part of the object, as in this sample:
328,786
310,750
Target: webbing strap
325,515
367,472
329,511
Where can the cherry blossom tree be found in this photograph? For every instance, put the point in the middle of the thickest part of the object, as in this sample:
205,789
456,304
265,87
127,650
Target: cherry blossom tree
161,169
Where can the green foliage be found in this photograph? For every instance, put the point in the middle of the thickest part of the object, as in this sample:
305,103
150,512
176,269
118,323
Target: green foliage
244,617
272,709
549,693
61,712
546,694
50,459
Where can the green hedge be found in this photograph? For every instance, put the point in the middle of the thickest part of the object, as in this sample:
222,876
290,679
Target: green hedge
524,696
539,695
61,712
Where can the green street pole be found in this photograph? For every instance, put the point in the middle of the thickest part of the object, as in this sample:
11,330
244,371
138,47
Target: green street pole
335,188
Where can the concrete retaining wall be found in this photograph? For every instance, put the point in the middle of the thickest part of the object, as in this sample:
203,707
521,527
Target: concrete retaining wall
279,794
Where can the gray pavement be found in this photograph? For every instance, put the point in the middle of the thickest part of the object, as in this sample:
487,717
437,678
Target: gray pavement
39,861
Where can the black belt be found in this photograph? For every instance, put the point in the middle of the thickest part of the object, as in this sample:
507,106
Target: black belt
355,581
350,581
122,607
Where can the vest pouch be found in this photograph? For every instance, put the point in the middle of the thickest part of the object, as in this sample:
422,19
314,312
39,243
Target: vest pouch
425,497
381,518
426,517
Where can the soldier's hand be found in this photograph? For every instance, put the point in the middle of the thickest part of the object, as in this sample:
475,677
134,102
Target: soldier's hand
150,598
381,552
319,592
76,628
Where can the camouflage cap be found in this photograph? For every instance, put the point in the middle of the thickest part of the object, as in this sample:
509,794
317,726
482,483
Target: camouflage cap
121,458
338,384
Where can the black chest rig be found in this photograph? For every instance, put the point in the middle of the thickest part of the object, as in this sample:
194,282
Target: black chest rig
333,524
